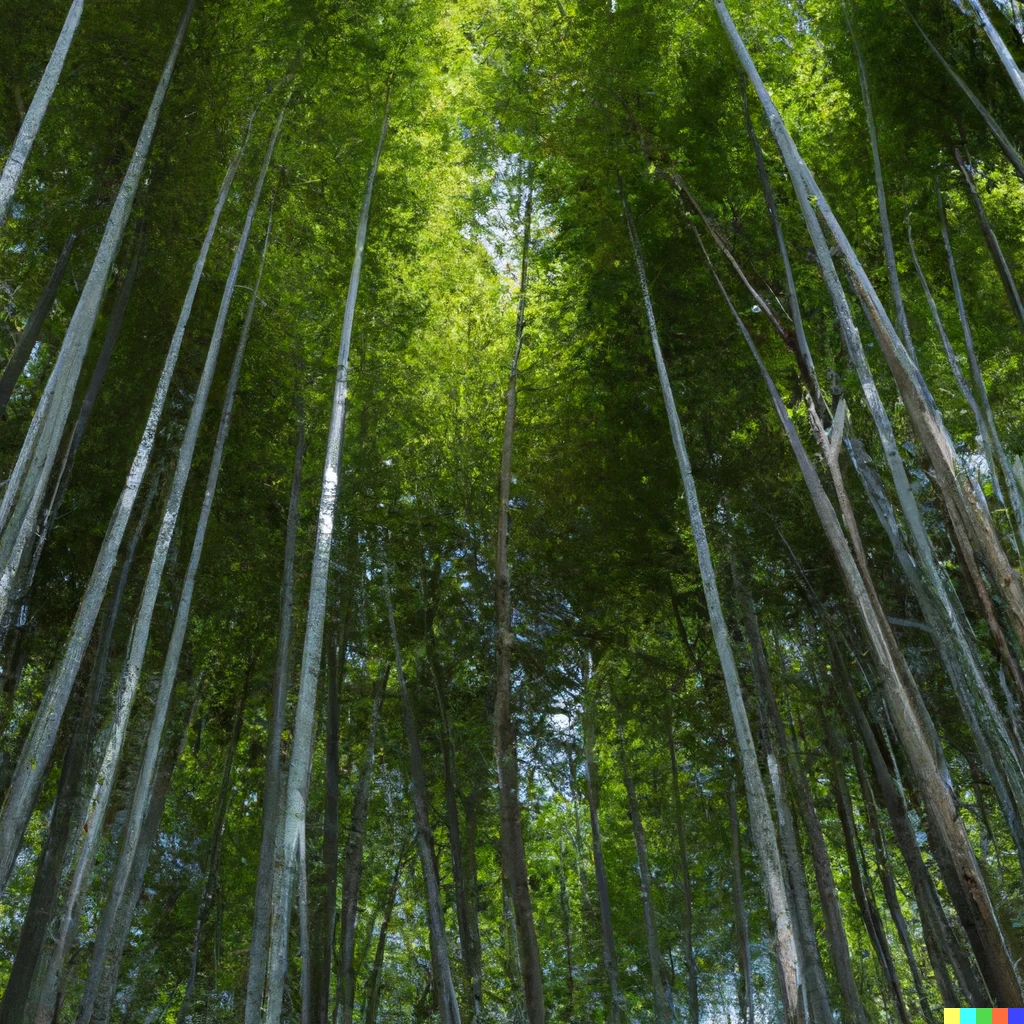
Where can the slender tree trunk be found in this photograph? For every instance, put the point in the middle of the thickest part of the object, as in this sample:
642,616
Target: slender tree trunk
1010,481
72,790
513,851
216,836
661,993
1002,50
66,461
883,208
30,772
302,747
1008,148
469,933
30,335
814,988
377,971
746,984
322,938
861,891
257,976
762,827
18,156
616,1004
30,480
133,890
1002,264
923,414
825,879
692,992
143,791
961,870
447,1000
563,903
352,871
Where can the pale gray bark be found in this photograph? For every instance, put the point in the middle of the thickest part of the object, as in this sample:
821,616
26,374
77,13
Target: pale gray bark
18,156
1010,481
131,673
883,208
272,771
30,334
957,493
133,890
132,830
1002,50
448,1003
26,490
309,673
757,799
35,756
1000,136
962,871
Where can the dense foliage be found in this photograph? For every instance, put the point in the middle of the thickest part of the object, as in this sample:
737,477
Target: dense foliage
593,720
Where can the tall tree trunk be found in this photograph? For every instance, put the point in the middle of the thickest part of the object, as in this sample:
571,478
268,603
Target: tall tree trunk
448,1002
72,790
1000,136
883,208
469,931
377,971
692,992
1002,50
616,1003
961,870
513,850
352,870
35,755
66,460
30,334
563,903
1002,264
861,886
884,868
133,890
322,937
18,156
216,836
312,648
746,984
660,991
132,673
27,487
957,493
1010,481
762,825
824,877
257,974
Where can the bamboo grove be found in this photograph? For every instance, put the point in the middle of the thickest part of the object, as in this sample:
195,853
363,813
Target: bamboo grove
511,511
